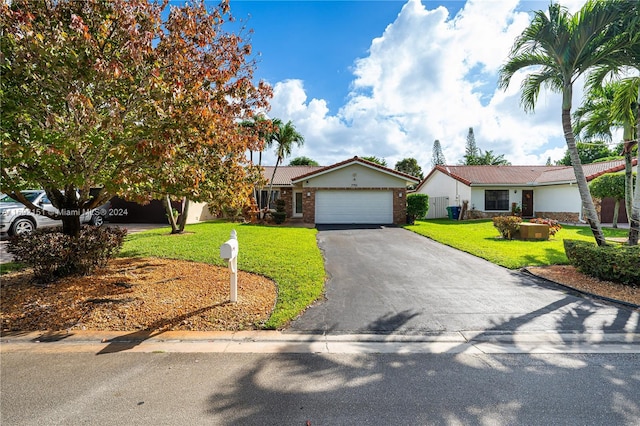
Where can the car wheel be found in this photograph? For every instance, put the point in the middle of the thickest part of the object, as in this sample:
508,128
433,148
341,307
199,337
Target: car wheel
22,226
97,220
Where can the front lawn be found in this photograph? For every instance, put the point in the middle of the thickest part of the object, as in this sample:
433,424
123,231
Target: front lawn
482,239
289,256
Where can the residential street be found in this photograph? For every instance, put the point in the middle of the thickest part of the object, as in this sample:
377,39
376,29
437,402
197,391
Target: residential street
323,389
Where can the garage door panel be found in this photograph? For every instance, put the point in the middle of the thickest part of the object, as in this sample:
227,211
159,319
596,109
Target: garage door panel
361,207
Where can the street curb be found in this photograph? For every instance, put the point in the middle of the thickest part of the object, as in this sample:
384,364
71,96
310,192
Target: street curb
463,336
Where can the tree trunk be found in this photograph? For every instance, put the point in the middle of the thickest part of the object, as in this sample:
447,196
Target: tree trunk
616,212
273,175
182,219
71,225
169,209
634,218
581,181
628,177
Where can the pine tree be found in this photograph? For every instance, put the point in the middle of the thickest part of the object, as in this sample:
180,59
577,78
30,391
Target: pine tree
471,153
437,157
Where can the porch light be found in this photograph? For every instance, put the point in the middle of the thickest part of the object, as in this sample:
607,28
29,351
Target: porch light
308,194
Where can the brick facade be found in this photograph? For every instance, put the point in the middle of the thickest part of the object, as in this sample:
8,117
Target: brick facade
287,196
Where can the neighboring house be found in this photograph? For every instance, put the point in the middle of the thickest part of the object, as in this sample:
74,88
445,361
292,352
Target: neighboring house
354,191
539,191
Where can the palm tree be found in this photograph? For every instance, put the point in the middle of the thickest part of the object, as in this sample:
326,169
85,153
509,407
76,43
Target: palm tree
626,98
561,47
606,107
284,137
488,158
265,132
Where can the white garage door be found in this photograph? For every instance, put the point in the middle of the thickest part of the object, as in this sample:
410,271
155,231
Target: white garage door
372,207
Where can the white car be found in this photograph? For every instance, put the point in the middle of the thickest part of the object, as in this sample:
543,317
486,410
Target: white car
16,218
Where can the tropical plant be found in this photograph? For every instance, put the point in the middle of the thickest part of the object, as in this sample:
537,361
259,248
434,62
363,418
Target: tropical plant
284,138
626,99
560,47
609,185
488,158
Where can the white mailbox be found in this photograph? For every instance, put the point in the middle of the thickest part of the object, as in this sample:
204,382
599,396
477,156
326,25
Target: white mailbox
229,252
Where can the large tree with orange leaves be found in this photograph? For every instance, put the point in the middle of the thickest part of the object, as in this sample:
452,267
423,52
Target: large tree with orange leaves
127,97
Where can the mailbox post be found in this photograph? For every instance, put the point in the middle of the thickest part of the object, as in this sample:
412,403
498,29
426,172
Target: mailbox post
229,252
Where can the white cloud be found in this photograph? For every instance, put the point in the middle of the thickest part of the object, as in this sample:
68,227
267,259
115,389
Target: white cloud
430,76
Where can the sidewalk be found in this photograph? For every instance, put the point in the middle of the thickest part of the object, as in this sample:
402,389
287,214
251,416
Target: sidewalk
469,342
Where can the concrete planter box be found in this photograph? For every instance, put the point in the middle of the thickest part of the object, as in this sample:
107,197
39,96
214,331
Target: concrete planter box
534,231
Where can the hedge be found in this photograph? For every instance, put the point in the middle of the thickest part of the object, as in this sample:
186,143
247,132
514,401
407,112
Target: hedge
613,263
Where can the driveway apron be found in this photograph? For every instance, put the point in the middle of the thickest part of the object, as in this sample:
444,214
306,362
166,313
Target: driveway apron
390,280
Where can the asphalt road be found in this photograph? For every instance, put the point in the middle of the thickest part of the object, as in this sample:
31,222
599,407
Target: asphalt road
329,389
390,280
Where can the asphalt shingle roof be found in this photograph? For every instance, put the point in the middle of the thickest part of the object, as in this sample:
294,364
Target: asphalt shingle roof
285,174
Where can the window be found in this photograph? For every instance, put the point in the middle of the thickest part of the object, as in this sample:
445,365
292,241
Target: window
298,202
265,196
496,199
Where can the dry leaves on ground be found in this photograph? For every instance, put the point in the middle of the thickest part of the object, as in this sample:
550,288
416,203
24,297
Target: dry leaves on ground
133,294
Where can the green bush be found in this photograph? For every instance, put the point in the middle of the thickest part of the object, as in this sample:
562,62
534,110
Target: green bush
53,255
417,206
280,215
554,226
508,226
614,263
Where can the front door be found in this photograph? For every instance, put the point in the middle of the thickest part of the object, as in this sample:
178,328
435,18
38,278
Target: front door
527,203
297,204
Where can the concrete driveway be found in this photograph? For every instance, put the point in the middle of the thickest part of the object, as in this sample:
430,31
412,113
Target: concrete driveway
390,280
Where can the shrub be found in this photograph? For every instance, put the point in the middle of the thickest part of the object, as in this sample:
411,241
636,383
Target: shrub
53,255
507,225
554,226
613,263
417,206
279,215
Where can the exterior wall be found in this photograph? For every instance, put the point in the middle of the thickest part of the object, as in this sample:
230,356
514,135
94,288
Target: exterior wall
287,195
400,206
557,198
198,212
441,185
354,176
399,202
309,205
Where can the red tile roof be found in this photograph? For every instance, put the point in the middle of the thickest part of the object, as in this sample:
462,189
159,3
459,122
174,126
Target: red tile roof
524,175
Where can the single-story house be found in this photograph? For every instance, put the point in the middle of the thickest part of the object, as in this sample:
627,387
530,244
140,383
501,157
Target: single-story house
355,191
539,191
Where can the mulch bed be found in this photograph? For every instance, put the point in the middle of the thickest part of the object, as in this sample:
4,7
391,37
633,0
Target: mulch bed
133,294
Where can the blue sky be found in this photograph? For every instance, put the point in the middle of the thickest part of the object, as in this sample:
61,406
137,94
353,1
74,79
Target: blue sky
387,78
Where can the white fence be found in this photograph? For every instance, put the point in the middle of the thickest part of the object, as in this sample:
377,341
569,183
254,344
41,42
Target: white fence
437,207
